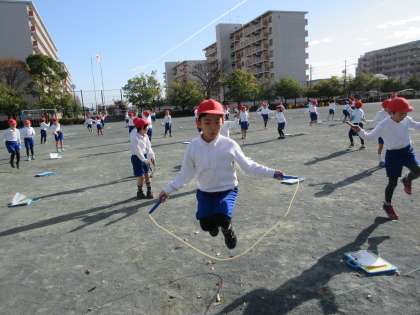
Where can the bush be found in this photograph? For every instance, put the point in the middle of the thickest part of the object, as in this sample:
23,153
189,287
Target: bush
72,121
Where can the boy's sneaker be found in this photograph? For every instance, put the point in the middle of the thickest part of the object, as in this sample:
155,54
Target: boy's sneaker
33,158
149,194
230,237
407,185
381,164
362,147
389,209
214,232
140,195
351,145
28,158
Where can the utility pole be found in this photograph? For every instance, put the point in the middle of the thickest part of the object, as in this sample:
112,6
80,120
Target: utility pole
93,80
345,74
310,76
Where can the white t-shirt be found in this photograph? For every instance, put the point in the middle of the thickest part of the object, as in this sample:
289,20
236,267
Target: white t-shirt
396,135
280,117
332,106
28,132
44,126
243,115
167,119
357,115
213,164
12,135
140,145
89,121
264,110
55,127
312,108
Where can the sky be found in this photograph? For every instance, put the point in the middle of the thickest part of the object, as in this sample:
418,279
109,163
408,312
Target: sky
135,36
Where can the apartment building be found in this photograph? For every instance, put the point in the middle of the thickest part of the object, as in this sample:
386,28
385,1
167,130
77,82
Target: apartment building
399,62
180,70
22,33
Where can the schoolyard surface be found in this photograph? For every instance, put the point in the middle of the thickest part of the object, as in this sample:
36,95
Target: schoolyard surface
86,246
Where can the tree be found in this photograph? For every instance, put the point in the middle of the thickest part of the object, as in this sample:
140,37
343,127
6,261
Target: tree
10,101
185,94
392,85
288,88
48,78
413,83
267,91
143,90
14,74
361,83
329,88
242,86
209,77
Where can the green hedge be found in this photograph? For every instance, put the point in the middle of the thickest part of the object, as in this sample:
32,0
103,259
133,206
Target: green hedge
71,121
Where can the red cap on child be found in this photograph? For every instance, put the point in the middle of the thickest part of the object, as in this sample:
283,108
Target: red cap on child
358,104
211,107
146,113
140,123
27,122
399,105
385,103
12,122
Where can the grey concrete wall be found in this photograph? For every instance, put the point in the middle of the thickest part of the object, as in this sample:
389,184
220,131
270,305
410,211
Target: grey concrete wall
289,45
15,37
223,42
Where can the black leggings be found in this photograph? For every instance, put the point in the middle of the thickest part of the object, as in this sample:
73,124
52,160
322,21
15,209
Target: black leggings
393,181
12,157
215,221
353,133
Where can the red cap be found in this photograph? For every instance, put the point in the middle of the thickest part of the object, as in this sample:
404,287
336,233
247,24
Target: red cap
54,119
43,119
11,122
27,121
314,101
386,102
358,104
280,107
140,123
399,105
146,113
211,107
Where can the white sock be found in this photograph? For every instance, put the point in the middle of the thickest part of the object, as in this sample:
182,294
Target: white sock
380,157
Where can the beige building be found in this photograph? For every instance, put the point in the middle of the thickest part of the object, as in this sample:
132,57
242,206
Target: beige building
399,62
22,33
180,71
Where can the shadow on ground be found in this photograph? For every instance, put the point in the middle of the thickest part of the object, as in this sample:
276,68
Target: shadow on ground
328,157
310,284
274,139
86,217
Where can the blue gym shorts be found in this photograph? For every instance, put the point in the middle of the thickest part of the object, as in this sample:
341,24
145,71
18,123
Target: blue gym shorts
29,142
396,159
98,126
265,117
59,136
139,167
281,125
244,125
12,147
314,116
213,203
380,140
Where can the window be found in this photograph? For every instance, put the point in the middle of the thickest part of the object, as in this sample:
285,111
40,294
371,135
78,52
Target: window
270,42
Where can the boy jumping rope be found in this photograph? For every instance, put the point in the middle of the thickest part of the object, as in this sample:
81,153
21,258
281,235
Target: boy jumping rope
211,157
12,142
399,151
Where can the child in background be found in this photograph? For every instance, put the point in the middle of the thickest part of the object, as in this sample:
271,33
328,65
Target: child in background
153,115
399,151
244,121
146,116
141,157
99,126
12,141
281,121
226,112
216,176
381,115
44,127
313,113
102,118
332,106
356,118
346,111
265,111
127,117
167,122
130,122
89,122
28,134
58,134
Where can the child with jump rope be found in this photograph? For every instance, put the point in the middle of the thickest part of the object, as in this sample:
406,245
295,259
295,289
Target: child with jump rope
58,134
244,121
281,121
356,118
44,127
12,142
399,150
28,133
99,126
89,122
211,157
264,111
142,156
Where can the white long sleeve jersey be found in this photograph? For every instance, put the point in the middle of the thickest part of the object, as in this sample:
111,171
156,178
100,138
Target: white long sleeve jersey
55,128
28,132
332,106
44,126
243,115
357,115
264,110
280,117
312,108
396,135
167,119
140,145
380,115
12,135
213,164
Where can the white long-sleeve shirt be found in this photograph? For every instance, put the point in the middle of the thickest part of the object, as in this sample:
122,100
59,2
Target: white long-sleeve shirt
280,117
55,128
312,108
167,119
149,120
88,121
44,126
396,135
131,121
213,164
28,132
243,115
264,110
225,130
140,145
357,115
332,106
12,135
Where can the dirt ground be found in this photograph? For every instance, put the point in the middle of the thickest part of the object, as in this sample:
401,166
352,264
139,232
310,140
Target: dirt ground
86,246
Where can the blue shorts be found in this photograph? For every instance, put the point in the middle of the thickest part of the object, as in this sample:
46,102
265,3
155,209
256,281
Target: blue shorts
29,142
380,140
313,116
130,128
43,133
346,113
265,117
139,167
98,126
149,133
281,126
396,159
331,111
219,202
59,136
12,147
89,126
244,125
